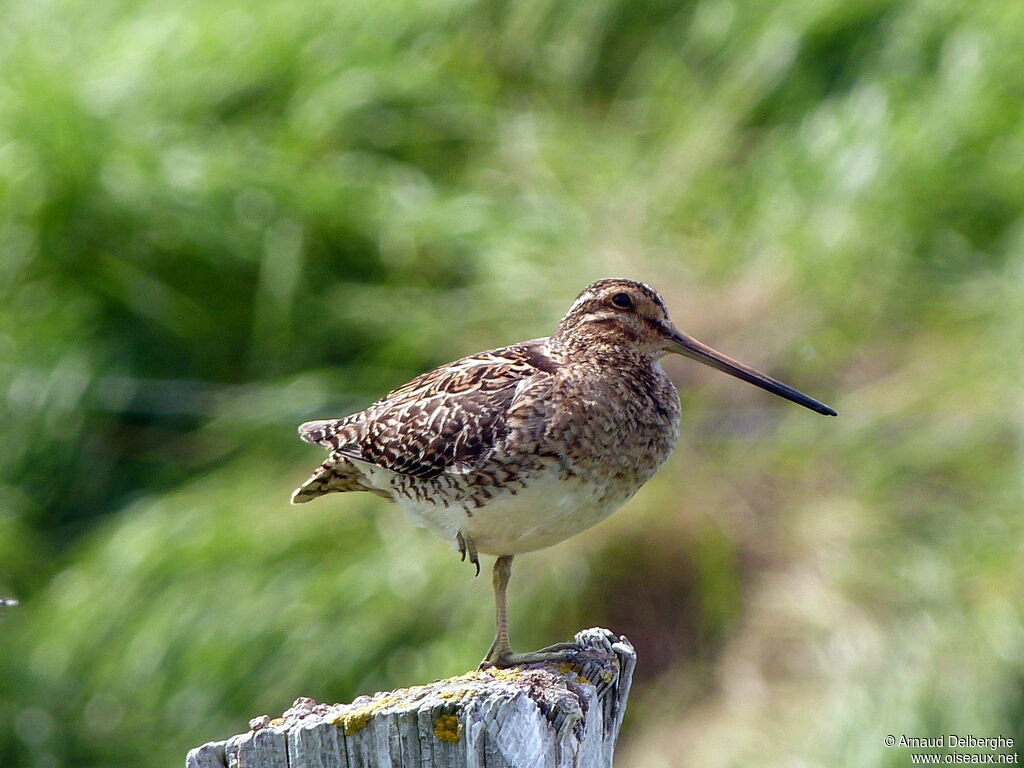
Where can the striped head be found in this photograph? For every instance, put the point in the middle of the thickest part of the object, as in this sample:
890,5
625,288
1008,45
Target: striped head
616,315
619,319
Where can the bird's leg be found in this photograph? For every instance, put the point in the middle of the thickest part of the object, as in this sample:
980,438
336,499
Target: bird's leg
500,653
500,648
466,545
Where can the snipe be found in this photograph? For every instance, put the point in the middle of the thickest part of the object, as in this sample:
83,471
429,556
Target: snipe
518,448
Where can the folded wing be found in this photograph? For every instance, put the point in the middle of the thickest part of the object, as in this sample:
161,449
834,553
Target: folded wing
450,419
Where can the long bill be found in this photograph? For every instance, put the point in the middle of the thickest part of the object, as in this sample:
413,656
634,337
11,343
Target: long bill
687,346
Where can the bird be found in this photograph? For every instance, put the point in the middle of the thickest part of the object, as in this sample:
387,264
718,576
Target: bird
518,448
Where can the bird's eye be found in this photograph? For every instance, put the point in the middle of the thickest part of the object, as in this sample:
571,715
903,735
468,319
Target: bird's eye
622,301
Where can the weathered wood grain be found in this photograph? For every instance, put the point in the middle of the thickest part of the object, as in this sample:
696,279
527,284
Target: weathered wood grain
564,715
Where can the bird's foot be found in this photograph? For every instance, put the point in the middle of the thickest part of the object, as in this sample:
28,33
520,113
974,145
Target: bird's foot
502,658
466,546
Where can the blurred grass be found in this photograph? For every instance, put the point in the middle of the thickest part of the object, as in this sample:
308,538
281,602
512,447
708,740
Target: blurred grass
219,220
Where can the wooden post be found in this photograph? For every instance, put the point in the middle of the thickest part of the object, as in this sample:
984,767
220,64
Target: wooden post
533,716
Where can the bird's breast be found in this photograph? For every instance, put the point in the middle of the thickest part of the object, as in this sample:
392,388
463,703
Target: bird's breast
621,425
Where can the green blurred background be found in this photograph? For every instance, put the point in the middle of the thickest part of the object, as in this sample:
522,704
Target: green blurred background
220,219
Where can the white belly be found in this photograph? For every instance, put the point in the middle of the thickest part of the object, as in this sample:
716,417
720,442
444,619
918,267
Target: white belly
547,511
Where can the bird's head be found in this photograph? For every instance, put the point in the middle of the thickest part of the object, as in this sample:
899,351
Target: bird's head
619,315
624,317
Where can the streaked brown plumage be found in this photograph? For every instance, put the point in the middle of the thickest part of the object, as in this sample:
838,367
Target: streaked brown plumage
518,448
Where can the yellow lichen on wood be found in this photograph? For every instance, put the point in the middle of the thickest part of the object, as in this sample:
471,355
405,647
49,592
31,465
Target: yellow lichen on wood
565,668
447,728
505,675
353,722
456,694
355,719
469,677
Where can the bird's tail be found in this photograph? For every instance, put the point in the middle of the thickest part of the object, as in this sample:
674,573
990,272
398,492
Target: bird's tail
335,475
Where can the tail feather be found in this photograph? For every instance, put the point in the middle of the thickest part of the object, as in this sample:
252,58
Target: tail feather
336,474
